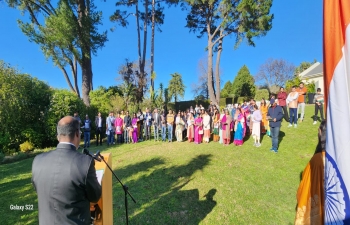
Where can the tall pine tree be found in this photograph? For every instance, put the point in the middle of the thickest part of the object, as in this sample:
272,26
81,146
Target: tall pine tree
243,85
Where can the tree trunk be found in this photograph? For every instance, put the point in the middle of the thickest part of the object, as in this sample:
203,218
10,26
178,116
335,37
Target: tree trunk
75,75
86,65
138,32
86,78
210,71
152,43
217,70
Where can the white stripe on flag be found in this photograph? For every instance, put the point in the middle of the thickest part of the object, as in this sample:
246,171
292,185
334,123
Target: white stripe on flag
337,170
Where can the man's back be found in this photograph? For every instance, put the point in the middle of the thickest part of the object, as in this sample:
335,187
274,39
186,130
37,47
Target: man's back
65,181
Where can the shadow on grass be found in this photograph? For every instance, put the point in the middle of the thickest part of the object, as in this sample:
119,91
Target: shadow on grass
160,196
280,137
15,168
16,189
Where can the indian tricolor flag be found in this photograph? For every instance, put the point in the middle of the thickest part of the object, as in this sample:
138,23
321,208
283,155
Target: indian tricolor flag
336,56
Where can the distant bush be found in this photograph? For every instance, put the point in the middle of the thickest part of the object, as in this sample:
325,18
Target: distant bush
26,146
2,156
63,103
241,99
261,93
33,137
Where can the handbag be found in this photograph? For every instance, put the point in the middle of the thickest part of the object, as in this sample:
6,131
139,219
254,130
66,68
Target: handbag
200,131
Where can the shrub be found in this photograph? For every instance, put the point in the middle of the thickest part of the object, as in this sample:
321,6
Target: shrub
33,137
241,99
24,102
2,156
26,146
261,93
63,103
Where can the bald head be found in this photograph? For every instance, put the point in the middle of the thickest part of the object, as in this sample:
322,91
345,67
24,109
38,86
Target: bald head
67,128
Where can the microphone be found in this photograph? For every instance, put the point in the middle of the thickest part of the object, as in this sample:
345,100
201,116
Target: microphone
99,156
86,152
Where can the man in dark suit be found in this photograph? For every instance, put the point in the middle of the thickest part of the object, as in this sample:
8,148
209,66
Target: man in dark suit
147,122
99,124
156,124
65,180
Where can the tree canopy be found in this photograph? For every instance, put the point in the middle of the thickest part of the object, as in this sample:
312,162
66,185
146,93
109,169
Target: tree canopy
245,19
68,34
227,90
274,73
243,84
176,87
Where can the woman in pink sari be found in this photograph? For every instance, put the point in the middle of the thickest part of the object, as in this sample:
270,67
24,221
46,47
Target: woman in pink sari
226,128
190,127
118,124
198,129
134,128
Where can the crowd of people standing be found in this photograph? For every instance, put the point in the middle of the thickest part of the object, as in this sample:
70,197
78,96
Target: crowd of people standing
231,124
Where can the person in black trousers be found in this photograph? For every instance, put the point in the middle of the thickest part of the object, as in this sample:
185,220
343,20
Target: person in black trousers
318,100
98,124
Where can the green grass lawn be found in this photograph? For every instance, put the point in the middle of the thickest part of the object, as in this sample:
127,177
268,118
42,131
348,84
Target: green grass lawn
182,183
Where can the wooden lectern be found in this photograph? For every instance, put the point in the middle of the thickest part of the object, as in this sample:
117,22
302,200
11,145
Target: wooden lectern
104,216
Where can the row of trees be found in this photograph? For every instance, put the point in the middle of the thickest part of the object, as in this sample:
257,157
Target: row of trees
272,75
68,33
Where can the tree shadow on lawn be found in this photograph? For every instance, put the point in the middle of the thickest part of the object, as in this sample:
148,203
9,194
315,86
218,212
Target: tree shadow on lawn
159,197
18,192
14,168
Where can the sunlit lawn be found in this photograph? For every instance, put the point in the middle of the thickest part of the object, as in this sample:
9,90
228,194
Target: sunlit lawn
182,183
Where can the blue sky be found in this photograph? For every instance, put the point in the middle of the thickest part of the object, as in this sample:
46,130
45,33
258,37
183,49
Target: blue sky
296,36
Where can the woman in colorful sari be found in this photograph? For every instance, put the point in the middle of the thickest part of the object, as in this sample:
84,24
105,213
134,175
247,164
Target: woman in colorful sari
179,127
198,129
226,127
311,191
190,127
118,124
220,127
216,124
264,122
134,128
206,127
240,128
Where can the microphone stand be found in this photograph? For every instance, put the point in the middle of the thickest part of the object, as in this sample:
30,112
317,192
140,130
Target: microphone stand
125,188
